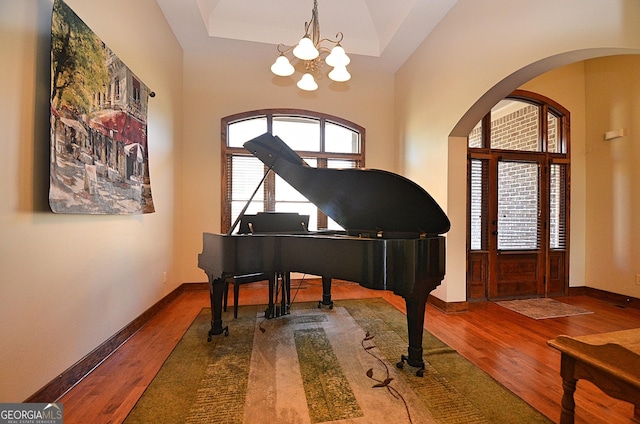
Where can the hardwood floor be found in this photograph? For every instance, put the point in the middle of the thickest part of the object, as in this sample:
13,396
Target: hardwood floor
510,347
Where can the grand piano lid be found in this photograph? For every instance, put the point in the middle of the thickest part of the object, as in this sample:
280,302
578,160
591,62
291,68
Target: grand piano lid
360,200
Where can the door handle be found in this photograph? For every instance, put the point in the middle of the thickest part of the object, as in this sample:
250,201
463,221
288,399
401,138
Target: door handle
495,233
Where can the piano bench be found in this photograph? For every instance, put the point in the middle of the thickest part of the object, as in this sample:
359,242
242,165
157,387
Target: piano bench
237,280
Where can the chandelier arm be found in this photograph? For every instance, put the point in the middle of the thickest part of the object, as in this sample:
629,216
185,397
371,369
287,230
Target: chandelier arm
335,43
306,28
338,40
322,49
282,48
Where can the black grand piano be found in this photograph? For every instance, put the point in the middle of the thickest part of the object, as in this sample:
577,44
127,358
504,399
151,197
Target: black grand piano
392,238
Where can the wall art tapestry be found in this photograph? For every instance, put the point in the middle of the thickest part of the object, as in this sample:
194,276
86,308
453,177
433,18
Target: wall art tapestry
98,132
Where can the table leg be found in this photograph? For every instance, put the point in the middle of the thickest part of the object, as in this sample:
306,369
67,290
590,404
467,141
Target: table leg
567,367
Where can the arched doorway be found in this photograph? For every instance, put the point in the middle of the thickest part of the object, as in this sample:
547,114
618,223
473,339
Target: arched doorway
518,200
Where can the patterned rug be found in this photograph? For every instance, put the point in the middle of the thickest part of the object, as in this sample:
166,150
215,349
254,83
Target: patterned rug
321,366
542,308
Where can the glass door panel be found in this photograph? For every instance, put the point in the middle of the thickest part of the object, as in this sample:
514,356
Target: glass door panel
518,205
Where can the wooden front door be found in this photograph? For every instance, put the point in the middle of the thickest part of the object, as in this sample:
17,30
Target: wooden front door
518,215
516,253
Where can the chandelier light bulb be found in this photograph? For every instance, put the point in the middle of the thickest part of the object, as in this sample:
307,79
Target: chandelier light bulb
337,57
282,67
305,50
307,83
340,74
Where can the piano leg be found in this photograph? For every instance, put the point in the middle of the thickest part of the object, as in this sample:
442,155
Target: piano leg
216,291
326,293
416,305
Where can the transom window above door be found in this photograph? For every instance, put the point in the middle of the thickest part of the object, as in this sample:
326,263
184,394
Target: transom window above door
322,140
532,120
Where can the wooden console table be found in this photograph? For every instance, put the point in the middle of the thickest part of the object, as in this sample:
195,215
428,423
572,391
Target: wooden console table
611,361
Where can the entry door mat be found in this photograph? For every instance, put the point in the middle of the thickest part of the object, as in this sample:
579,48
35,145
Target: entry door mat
321,366
542,308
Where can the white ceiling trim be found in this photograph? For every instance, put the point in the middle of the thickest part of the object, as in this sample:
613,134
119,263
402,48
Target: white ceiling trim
384,29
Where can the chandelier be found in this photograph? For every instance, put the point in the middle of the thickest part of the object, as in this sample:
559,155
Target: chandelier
310,50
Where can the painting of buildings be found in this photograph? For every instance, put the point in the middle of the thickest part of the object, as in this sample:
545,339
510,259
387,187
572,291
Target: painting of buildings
99,151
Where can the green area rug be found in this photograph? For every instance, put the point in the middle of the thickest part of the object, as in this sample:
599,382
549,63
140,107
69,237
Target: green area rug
321,366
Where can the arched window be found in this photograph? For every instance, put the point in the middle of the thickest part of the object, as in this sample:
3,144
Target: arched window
322,140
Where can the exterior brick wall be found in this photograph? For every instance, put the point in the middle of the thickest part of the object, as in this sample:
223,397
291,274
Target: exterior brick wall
516,131
518,190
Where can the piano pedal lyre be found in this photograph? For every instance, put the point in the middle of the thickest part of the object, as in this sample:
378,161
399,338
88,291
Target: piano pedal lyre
412,363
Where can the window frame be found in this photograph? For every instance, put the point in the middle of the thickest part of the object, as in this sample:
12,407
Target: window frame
545,106
269,185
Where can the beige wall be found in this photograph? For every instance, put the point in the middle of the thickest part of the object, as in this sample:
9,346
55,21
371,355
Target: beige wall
69,282
467,65
612,258
220,82
602,94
